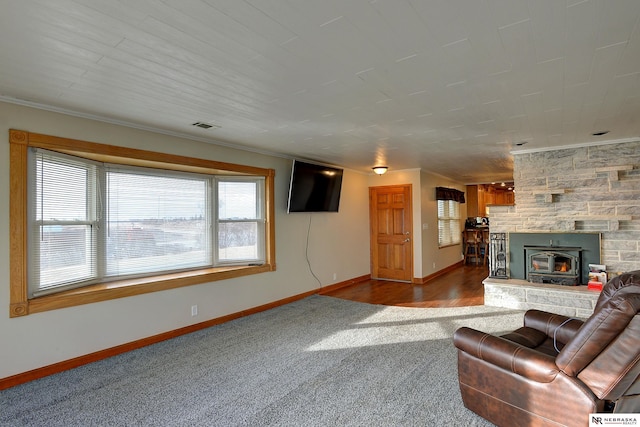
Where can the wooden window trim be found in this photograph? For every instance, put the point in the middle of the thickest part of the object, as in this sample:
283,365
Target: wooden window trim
20,141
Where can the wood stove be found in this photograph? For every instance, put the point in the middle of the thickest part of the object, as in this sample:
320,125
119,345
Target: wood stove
586,246
555,265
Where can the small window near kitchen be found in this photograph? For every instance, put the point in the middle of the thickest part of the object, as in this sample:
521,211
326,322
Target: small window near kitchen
449,199
449,232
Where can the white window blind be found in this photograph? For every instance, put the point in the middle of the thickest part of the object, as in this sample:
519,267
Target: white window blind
91,222
63,221
449,231
155,223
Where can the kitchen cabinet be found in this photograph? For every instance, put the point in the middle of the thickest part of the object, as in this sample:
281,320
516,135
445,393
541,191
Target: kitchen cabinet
482,195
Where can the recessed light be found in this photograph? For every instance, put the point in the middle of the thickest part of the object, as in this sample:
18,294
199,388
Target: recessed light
603,132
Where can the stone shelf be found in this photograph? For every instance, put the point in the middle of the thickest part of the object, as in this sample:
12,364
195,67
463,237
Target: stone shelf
601,217
549,195
614,171
613,220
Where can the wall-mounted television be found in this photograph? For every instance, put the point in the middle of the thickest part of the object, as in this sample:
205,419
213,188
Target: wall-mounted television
314,188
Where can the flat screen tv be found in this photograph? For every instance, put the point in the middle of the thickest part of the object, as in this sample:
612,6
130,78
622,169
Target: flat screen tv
314,188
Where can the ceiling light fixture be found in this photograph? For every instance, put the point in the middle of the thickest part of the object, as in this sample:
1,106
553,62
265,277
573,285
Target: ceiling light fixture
380,170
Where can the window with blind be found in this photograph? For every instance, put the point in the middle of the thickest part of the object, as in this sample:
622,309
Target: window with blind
62,222
240,221
449,232
94,222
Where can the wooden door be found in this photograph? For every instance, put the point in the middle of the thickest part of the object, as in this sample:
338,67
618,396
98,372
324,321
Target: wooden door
391,232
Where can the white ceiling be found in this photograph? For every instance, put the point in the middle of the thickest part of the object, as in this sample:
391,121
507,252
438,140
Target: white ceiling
449,86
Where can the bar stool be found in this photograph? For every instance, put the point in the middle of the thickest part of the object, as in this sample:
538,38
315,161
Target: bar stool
484,245
472,239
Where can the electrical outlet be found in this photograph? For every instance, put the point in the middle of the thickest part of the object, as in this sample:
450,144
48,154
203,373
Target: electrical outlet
194,310
434,265
335,276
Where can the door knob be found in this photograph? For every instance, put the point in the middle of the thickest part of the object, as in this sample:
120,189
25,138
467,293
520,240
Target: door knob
407,240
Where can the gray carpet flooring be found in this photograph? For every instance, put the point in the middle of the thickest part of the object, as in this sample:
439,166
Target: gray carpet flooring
320,361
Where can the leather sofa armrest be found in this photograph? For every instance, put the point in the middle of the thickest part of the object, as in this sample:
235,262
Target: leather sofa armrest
562,327
506,354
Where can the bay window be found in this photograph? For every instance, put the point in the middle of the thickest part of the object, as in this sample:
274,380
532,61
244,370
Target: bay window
103,222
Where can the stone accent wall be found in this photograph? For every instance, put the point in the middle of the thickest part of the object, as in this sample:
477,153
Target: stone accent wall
590,189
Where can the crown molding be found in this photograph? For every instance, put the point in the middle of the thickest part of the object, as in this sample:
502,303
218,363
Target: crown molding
573,146
124,123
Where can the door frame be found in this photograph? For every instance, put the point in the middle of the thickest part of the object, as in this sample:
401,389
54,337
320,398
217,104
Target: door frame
406,233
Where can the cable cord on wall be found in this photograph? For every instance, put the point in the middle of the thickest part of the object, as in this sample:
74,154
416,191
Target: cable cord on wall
306,253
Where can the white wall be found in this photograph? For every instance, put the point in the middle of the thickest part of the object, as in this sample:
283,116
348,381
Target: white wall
338,243
434,258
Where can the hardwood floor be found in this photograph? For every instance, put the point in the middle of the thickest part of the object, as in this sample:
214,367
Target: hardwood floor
458,288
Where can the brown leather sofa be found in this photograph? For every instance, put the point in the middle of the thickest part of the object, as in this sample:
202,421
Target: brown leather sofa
555,371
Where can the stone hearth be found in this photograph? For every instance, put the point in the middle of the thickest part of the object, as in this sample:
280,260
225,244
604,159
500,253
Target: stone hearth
572,301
